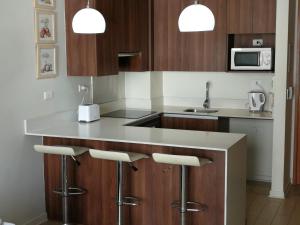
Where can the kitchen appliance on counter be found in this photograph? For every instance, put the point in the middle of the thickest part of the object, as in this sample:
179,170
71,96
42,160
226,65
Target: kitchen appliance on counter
88,113
252,59
129,114
257,100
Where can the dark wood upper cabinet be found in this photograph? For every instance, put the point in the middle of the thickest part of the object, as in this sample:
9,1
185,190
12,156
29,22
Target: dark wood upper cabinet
147,33
92,55
264,16
128,31
199,51
239,16
134,31
251,16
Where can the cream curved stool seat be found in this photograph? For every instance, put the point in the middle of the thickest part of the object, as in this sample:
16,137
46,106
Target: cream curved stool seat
183,161
120,157
64,191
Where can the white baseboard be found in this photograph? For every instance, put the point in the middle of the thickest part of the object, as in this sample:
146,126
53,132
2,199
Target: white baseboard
37,220
277,194
281,194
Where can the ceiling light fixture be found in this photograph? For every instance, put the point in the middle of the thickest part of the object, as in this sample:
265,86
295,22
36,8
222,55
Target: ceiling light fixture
195,18
88,21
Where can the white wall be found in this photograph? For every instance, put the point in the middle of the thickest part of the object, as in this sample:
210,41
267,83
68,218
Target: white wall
21,170
280,81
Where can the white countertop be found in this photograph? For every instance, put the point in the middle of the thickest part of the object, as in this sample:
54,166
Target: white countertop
227,113
64,125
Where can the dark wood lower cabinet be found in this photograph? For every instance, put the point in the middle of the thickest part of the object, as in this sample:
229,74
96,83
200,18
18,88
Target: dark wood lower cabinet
187,122
156,184
200,124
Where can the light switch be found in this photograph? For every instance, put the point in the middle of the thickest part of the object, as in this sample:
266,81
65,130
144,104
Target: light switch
48,95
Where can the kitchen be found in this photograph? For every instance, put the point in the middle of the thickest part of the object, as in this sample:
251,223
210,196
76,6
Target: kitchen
171,88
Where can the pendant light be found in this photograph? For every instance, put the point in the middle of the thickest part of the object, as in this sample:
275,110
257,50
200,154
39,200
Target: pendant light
196,17
88,21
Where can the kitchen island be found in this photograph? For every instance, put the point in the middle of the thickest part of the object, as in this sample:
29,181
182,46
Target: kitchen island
220,185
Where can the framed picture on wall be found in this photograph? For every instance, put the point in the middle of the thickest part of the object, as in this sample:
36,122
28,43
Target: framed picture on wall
45,26
44,4
46,64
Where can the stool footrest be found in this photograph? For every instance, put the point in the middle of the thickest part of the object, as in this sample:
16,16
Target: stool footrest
72,191
131,201
191,206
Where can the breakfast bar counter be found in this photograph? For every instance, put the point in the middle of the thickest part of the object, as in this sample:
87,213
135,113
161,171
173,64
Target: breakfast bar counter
221,185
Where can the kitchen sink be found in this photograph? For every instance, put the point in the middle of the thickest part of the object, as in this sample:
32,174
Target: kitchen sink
201,110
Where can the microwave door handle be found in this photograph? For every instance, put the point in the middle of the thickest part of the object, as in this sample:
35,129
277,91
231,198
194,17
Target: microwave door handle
235,56
260,59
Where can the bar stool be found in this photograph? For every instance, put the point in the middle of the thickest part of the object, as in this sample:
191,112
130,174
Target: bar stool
64,191
120,157
183,161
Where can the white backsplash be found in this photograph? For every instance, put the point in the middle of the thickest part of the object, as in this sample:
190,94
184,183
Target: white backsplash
227,90
109,88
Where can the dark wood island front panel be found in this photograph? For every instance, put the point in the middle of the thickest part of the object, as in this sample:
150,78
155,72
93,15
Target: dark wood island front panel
156,184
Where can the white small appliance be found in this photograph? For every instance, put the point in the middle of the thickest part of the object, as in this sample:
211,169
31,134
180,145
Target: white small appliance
252,59
88,113
257,100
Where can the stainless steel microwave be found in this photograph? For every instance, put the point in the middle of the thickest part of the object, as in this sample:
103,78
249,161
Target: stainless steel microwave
252,59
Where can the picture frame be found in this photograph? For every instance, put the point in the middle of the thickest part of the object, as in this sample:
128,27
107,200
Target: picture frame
46,65
44,4
45,26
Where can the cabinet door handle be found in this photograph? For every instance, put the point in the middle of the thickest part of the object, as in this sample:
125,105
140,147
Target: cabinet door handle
290,93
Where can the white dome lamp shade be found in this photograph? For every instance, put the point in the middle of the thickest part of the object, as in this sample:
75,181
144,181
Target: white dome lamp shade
195,18
88,21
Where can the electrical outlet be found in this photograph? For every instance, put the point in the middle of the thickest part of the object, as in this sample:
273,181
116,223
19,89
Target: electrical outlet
82,88
258,42
48,95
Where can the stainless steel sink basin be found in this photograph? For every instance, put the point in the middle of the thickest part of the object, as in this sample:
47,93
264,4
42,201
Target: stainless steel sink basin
201,110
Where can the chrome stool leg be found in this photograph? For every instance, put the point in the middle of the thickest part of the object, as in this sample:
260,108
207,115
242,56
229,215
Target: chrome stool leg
65,191
119,192
183,196
123,200
183,204
119,158
64,183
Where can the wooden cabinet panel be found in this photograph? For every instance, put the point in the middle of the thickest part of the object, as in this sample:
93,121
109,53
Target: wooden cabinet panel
189,124
220,124
198,51
239,16
92,55
264,16
134,30
81,49
251,16
128,31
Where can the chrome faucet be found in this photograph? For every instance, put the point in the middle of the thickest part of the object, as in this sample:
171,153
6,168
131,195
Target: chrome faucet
206,102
